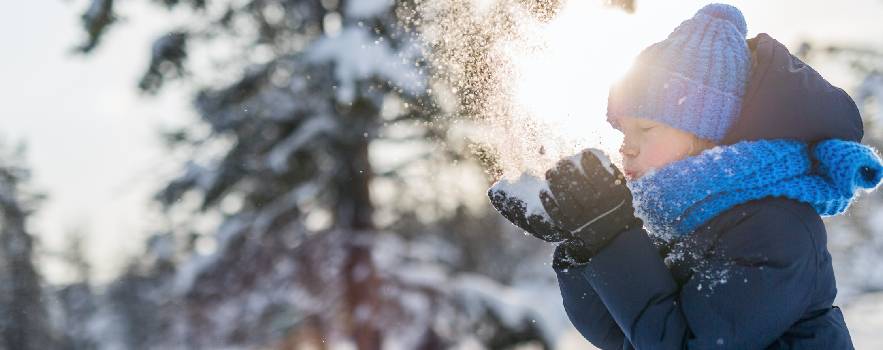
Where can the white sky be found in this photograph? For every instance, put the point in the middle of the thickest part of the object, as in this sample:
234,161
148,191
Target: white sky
91,137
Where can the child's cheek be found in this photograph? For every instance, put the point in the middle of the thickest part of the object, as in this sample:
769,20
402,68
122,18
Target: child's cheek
661,151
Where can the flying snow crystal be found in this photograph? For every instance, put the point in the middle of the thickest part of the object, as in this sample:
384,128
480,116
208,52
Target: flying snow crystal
533,78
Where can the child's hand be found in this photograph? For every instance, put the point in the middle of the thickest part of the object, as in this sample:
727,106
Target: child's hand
530,218
588,198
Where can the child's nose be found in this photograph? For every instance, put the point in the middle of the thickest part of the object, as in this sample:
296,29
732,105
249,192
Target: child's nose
628,150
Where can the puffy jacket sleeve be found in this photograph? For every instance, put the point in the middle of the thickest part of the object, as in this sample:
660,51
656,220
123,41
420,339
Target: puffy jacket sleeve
584,308
751,287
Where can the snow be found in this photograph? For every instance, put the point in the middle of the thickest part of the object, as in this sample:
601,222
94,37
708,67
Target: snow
534,300
605,161
278,157
191,269
551,318
357,56
507,304
203,177
516,305
864,318
421,274
366,8
716,152
526,188
290,202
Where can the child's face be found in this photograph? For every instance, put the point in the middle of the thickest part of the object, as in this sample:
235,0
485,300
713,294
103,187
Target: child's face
650,145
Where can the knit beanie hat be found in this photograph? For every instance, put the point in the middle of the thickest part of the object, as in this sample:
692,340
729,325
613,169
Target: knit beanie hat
693,80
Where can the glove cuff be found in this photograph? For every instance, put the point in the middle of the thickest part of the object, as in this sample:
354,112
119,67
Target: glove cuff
562,260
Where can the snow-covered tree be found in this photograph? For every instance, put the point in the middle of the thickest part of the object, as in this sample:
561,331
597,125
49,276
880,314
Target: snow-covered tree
293,126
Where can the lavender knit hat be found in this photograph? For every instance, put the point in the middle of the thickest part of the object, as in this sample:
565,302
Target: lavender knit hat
693,80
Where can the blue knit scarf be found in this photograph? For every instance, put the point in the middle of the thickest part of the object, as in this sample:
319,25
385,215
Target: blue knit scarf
680,197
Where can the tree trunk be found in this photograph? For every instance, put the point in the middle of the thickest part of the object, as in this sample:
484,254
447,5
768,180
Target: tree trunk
354,213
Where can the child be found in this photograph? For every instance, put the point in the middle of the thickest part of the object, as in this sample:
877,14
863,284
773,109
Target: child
733,151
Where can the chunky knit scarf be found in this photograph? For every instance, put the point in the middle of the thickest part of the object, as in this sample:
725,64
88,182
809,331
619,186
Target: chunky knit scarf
683,195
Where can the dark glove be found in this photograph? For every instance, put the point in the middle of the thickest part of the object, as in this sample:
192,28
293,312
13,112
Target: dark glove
515,210
590,201
537,224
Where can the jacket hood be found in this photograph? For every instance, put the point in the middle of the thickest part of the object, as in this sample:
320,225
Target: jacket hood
787,99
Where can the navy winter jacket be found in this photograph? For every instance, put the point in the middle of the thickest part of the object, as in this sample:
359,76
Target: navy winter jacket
757,276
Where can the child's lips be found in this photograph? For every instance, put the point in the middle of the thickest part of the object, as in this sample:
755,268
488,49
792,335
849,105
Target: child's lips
631,174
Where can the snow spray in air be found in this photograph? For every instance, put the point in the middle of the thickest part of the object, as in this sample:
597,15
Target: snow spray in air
531,80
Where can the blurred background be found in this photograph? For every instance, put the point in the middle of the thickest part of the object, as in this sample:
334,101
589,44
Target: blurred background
311,174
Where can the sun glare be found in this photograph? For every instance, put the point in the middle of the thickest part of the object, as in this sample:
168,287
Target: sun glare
564,84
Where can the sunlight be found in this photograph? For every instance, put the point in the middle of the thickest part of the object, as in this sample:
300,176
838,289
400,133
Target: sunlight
584,49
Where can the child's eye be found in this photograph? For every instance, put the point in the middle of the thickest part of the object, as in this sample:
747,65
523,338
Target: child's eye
647,128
